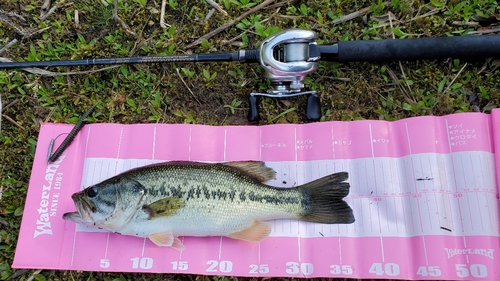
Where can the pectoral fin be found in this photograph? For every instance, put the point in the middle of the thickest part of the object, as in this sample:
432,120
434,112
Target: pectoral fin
162,239
258,231
165,207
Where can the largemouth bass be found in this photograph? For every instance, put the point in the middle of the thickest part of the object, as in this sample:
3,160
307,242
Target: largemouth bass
164,201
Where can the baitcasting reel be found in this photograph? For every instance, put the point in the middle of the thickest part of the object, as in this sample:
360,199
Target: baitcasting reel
286,59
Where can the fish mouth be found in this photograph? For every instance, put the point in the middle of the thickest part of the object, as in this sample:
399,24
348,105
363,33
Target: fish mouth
83,207
74,217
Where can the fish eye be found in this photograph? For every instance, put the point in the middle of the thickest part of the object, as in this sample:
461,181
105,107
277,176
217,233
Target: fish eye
92,192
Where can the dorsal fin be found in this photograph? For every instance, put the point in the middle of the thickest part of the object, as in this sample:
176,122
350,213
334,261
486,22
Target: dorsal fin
256,169
165,207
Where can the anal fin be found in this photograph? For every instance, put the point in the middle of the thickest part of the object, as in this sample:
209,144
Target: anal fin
258,231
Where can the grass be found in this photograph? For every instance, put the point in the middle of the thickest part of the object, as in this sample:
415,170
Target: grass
216,93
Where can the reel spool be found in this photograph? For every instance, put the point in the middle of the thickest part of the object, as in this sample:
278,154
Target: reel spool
286,59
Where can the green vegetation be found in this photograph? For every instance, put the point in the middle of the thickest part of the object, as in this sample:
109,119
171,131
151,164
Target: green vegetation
216,93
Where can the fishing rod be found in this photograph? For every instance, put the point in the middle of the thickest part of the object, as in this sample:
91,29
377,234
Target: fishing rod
290,55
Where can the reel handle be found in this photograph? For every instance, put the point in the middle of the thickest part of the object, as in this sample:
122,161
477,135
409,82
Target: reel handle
253,111
313,110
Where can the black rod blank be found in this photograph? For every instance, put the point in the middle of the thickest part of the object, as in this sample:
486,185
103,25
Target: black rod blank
242,56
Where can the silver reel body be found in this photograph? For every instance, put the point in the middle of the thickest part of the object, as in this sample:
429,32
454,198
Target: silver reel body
285,57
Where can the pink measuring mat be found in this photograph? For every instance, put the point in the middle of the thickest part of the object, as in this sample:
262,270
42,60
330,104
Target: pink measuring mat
424,193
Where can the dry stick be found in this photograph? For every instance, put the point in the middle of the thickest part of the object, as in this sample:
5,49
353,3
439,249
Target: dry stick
162,14
11,43
356,14
17,274
46,15
187,86
432,12
277,5
77,19
400,65
45,8
12,14
485,31
9,105
228,24
119,20
455,78
18,29
218,7
248,30
13,122
465,23
33,275
38,31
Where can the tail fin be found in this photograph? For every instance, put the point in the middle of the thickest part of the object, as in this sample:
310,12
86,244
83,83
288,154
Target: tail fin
324,202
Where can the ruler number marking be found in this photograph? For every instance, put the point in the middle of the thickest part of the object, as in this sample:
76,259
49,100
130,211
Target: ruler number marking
222,266
259,268
338,269
391,269
179,265
476,270
143,263
304,268
104,263
429,270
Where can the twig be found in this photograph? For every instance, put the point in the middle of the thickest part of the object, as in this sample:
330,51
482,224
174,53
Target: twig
46,15
38,31
45,8
185,84
455,78
162,14
12,14
77,19
120,21
431,12
9,105
17,274
228,24
277,5
16,28
50,114
400,65
357,14
209,15
218,7
33,275
11,43
248,30
397,81
13,122
465,23
493,30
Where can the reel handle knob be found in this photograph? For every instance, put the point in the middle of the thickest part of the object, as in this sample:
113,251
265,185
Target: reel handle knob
253,111
313,110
